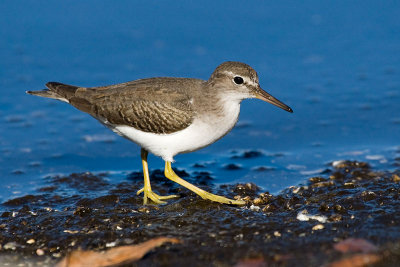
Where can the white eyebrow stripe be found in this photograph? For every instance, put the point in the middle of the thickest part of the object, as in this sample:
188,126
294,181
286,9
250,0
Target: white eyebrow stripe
246,79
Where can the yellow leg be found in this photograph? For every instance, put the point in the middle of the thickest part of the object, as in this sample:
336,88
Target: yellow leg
170,174
147,187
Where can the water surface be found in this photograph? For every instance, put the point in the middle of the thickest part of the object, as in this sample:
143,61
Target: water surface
335,63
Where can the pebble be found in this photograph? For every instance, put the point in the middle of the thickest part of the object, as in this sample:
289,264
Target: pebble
146,210
317,179
10,245
30,241
296,190
269,208
335,218
368,195
258,201
318,227
71,231
396,178
323,184
40,252
337,163
304,216
238,237
255,208
349,185
111,244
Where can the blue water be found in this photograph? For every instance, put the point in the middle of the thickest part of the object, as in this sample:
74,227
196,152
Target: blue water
336,63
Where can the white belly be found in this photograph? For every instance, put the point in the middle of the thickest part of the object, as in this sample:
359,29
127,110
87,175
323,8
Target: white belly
200,133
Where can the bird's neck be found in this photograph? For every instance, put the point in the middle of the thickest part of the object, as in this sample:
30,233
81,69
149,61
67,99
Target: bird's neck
230,105
222,111
219,103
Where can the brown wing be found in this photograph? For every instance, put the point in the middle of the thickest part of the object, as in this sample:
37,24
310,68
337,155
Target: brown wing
149,116
151,105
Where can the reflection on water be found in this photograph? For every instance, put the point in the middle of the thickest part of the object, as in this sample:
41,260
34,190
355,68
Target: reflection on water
336,65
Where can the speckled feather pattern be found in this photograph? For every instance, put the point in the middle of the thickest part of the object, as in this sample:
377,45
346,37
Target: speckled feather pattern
157,105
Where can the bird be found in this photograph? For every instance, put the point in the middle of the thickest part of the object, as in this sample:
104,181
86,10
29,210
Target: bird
167,116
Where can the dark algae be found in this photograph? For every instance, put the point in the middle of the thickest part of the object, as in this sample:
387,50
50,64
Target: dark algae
298,227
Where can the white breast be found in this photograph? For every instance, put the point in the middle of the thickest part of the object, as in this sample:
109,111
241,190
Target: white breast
202,132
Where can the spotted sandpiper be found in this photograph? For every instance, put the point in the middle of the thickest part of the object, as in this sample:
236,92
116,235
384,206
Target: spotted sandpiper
168,116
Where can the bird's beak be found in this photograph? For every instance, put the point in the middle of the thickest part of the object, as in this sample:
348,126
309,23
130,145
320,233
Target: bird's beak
261,94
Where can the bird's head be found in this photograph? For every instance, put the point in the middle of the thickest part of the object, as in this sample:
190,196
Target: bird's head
240,81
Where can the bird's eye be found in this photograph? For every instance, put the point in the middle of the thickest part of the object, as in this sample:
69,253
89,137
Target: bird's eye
238,80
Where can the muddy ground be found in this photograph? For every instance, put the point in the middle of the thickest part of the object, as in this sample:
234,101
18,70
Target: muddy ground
349,200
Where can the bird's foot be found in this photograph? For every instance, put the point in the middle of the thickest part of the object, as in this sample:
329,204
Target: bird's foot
220,199
170,174
149,194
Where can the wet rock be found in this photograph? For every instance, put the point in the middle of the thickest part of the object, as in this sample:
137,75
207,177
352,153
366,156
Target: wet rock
263,168
198,165
14,118
270,208
20,201
323,184
249,154
346,165
6,214
82,211
324,207
368,195
202,178
335,218
81,181
317,179
349,185
48,189
180,173
18,172
35,164
338,208
96,217
246,189
99,201
232,167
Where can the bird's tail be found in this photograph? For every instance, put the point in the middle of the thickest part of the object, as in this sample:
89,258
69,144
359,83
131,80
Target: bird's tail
57,91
